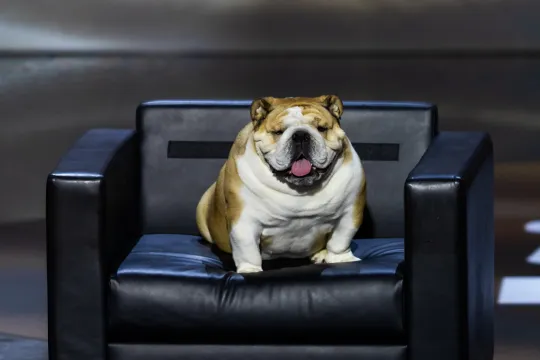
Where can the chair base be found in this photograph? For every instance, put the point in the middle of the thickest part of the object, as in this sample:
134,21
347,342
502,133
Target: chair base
254,352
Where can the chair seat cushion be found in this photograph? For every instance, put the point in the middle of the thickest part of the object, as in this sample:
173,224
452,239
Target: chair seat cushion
178,289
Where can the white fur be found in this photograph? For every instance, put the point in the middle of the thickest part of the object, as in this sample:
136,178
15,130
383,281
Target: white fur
293,220
245,243
295,117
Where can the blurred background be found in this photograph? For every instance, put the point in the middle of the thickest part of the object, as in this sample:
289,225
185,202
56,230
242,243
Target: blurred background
68,66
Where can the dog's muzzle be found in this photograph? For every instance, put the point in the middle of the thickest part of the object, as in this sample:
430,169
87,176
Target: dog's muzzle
301,140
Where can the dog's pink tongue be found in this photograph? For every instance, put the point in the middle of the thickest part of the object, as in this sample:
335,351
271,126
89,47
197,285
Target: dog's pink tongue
301,167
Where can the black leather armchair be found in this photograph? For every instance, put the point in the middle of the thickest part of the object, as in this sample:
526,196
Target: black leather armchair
130,279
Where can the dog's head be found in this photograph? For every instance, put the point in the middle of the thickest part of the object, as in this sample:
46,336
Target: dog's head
300,139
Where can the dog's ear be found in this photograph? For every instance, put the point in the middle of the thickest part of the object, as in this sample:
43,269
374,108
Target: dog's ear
260,109
333,103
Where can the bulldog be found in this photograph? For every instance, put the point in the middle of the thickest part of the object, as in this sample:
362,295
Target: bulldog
293,187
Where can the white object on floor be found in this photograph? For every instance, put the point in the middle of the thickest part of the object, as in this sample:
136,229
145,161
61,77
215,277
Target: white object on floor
523,290
534,258
532,227
520,290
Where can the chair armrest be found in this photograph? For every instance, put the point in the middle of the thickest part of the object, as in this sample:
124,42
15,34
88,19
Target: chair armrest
449,249
92,223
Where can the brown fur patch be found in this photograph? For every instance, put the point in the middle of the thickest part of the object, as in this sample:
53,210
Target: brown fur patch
320,242
327,109
221,208
265,241
347,152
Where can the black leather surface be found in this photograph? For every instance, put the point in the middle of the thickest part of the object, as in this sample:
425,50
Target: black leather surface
158,297
91,225
221,150
171,188
174,289
449,250
254,352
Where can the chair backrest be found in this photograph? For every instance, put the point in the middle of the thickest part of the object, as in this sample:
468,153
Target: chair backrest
185,143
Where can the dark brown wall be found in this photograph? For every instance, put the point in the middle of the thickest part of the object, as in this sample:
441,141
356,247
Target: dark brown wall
181,25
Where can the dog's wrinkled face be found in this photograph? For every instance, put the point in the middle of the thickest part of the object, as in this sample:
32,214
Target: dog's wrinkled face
299,138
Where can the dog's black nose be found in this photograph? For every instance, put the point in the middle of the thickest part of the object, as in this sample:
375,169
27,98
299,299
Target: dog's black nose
300,137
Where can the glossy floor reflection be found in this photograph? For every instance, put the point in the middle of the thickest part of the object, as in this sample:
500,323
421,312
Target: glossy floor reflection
23,278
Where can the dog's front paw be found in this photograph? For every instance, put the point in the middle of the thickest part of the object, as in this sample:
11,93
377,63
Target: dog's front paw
347,256
248,268
319,257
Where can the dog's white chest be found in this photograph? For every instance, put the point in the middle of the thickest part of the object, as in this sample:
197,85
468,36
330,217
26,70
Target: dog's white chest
293,226
297,238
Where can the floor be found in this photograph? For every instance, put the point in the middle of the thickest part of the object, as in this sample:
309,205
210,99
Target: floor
23,318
